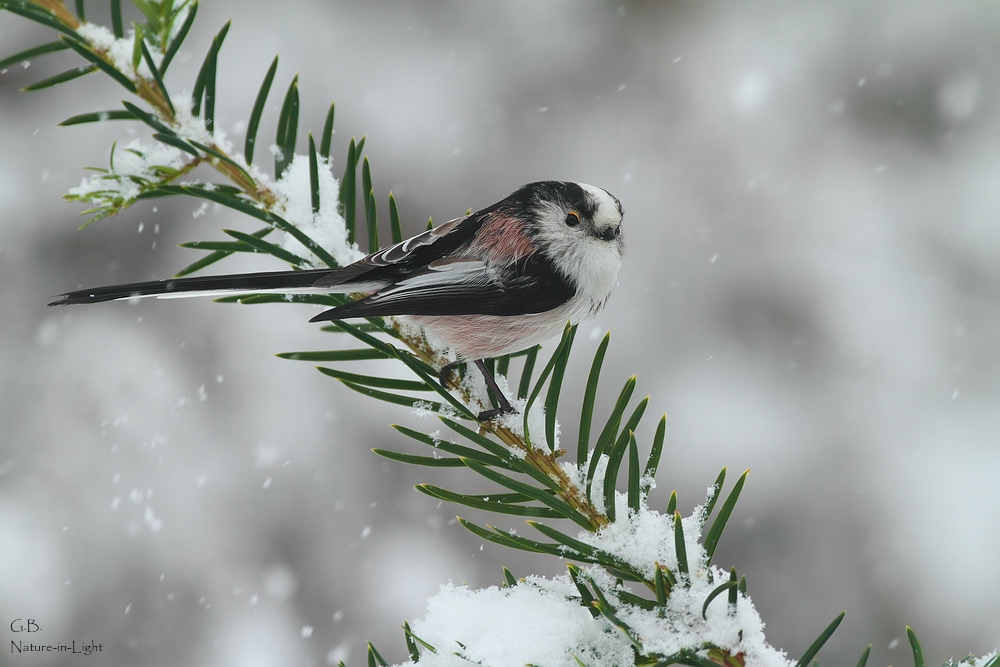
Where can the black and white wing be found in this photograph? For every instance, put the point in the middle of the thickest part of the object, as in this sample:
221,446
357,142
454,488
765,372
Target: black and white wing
465,286
402,259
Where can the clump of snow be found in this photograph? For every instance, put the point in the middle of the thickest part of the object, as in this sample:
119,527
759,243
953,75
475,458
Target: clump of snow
190,126
597,483
135,160
576,476
514,421
327,228
974,662
682,625
423,408
646,537
542,622
648,482
537,622
429,409
120,50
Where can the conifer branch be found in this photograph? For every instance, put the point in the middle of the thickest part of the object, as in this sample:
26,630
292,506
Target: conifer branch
519,454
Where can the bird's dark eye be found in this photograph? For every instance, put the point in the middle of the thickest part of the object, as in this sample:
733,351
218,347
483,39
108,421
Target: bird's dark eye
572,219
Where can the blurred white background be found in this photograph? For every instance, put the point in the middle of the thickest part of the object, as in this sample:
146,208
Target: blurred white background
811,290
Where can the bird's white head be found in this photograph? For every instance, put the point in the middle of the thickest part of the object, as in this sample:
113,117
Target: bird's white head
579,228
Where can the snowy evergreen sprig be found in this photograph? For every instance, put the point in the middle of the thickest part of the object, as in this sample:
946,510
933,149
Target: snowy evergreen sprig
645,591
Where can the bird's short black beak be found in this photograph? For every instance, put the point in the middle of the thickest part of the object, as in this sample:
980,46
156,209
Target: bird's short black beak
609,234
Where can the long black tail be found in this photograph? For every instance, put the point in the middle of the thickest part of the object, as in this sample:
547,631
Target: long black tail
240,282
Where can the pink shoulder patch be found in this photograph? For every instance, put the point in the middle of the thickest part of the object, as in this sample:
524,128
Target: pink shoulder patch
503,237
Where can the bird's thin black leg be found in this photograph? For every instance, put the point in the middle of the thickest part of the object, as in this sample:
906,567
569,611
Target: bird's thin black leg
446,371
491,383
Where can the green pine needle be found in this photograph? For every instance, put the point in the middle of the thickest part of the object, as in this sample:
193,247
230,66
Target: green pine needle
347,198
488,505
818,644
374,381
62,77
176,142
715,532
586,599
366,188
374,658
458,450
100,63
733,591
589,397
863,661
610,429
529,366
716,592
660,586
151,14
395,229
97,116
219,254
334,355
116,19
397,399
557,504
564,344
679,546
148,119
156,73
38,15
313,175
171,51
258,108
653,462
713,495
288,123
555,387
371,215
918,653
327,136
33,52
509,540
634,492
263,246
412,459
411,646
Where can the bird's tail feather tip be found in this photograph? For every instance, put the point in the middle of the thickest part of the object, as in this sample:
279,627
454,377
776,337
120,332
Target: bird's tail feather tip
325,316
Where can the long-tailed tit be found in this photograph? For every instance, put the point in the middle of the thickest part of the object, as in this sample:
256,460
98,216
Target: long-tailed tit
491,283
